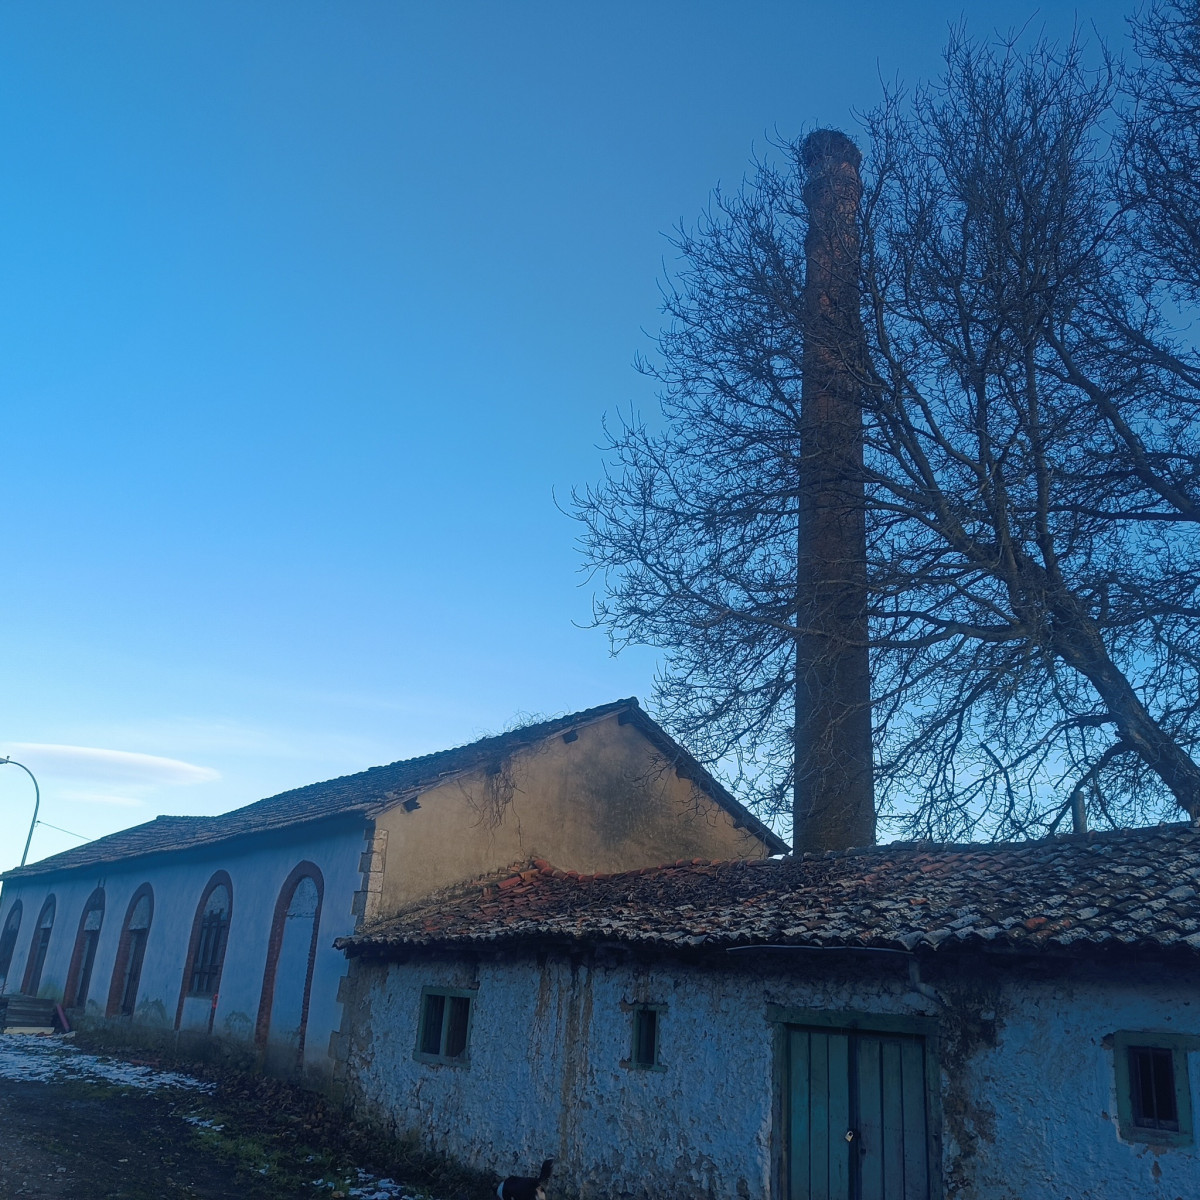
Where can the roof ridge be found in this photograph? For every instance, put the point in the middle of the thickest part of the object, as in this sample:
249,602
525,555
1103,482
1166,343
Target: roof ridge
539,866
587,714
322,799
526,869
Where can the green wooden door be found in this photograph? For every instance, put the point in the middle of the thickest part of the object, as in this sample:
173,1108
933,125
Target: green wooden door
857,1125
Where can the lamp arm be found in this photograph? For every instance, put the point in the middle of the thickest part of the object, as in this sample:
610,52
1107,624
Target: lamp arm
37,801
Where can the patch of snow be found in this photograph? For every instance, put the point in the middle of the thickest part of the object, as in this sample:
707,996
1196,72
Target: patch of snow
201,1123
371,1188
29,1058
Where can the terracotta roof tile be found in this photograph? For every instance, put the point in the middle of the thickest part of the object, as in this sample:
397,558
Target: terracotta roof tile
1129,887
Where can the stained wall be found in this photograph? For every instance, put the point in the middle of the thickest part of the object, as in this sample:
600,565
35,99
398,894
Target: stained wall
1026,1090
603,801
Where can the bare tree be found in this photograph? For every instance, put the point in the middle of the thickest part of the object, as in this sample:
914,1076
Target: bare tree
1035,592
1159,172
1032,468
693,528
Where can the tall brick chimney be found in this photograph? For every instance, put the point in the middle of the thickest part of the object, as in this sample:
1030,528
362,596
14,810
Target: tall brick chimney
834,797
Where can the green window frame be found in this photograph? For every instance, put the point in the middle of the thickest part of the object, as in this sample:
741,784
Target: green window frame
1154,1101
444,1028
645,1041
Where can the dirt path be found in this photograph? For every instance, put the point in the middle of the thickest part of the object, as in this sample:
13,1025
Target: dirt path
77,1141
79,1126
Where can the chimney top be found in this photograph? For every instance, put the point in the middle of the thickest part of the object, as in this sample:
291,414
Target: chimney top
829,146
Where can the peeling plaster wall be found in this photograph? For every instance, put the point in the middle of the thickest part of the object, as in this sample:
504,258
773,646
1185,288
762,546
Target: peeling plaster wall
257,866
1034,1115
1027,1086
545,1074
599,803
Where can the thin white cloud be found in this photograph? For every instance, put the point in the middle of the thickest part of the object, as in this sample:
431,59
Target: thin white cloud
207,738
94,764
82,797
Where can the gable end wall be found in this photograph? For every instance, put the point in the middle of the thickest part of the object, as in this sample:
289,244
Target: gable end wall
604,801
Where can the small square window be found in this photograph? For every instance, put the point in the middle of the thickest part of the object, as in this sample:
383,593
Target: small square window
445,1025
1153,1099
644,1048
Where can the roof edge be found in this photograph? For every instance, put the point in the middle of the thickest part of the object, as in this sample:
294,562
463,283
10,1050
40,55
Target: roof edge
559,725
689,767
31,870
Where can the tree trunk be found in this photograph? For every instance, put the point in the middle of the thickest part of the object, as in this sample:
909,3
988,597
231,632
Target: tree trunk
1077,642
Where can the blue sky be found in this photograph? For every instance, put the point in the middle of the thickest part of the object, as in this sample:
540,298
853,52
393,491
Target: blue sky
307,312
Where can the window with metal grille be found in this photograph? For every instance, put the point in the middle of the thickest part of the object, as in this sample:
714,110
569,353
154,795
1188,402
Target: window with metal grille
137,929
445,1027
41,944
1152,1087
89,939
1153,1098
210,944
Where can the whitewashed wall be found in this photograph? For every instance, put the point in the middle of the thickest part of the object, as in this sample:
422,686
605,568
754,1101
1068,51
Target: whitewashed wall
257,865
1043,1103
1030,1117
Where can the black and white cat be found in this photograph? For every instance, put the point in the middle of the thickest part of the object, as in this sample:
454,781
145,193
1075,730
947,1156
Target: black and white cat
525,1187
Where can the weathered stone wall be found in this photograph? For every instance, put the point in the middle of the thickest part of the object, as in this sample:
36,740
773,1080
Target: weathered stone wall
1027,1088
546,1076
1030,1109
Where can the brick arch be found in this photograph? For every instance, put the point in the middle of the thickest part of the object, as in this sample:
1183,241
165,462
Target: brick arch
83,956
8,938
262,1025
116,986
219,879
35,961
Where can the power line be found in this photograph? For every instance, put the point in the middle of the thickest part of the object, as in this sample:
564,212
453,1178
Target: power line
80,836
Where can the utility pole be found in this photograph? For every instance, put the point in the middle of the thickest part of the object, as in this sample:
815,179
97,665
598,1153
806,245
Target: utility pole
37,801
834,784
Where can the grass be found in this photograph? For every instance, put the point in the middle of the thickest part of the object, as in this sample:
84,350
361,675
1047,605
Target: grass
284,1138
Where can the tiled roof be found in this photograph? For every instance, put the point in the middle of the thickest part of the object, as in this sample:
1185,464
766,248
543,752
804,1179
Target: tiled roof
1135,887
375,789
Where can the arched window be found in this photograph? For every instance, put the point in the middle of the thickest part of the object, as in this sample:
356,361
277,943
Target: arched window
206,950
38,948
83,957
131,950
291,955
8,941
210,949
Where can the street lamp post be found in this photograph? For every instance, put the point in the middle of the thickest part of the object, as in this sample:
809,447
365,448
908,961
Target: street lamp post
37,801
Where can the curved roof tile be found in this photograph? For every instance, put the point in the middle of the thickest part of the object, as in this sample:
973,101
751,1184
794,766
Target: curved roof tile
1131,886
